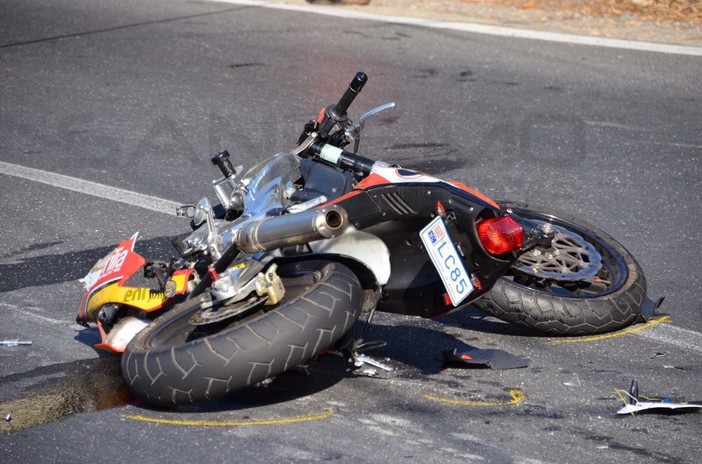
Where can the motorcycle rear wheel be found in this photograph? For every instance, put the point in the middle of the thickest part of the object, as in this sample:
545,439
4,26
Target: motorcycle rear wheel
597,288
173,362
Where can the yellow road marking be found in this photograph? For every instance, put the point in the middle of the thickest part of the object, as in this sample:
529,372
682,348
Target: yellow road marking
233,423
628,331
517,397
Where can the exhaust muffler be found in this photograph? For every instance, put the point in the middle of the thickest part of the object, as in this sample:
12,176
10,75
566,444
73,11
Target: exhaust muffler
275,232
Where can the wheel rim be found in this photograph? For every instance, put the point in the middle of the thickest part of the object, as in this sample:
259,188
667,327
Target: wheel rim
213,314
181,329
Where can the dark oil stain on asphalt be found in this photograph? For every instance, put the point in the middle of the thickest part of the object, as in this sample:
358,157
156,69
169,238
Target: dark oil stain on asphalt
509,83
388,120
242,65
52,393
466,76
409,146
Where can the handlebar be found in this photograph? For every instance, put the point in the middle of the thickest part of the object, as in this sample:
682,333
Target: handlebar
343,159
320,148
337,113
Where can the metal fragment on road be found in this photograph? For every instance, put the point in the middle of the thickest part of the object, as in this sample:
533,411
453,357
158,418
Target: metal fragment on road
15,342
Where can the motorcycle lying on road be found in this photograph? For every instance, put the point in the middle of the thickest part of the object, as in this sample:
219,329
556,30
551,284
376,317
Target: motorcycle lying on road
303,244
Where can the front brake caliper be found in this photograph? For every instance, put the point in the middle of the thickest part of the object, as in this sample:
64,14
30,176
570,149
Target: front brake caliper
269,283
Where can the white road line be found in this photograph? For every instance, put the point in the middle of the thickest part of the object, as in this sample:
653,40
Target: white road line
678,336
615,125
481,28
29,314
90,188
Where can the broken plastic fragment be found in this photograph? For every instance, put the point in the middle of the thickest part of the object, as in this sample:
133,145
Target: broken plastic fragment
633,402
493,359
573,383
649,307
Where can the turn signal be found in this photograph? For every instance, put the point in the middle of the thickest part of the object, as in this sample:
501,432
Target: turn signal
500,235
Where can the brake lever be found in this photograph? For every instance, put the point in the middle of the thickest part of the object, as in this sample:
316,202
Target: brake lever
353,131
373,112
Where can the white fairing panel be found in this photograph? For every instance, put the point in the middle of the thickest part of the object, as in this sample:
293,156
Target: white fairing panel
400,176
362,246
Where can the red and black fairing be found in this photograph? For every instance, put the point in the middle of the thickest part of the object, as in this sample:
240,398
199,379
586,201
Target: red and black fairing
395,206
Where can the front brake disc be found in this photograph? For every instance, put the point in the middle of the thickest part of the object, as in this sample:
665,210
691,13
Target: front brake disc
212,315
569,258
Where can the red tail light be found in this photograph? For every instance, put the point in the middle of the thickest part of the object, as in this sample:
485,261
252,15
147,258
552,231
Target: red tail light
500,235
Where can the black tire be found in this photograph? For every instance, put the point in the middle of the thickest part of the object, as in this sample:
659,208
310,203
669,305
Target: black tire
610,300
168,363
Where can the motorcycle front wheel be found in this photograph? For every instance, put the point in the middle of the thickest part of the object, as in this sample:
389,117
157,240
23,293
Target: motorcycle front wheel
173,362
585,283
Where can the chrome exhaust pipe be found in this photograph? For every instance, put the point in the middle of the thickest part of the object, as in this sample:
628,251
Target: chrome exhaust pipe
275,232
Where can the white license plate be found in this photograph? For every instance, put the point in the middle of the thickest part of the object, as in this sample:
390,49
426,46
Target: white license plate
446,260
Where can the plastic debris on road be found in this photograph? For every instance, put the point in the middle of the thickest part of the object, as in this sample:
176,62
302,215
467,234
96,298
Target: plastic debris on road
475,357
635,403
15,342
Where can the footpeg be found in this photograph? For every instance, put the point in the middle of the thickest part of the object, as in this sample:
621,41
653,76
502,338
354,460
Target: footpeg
359,360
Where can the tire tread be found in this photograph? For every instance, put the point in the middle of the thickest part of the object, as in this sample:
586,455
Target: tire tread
266,346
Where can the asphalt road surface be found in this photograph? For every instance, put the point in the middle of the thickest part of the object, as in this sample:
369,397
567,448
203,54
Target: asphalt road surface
109,112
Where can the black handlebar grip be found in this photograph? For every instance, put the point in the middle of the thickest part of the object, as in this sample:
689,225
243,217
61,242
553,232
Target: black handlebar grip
359,80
